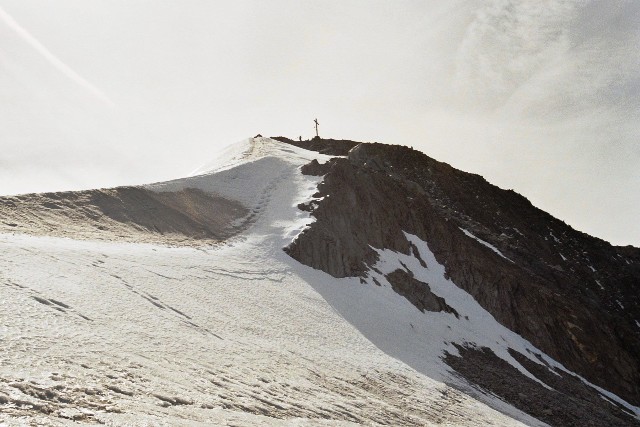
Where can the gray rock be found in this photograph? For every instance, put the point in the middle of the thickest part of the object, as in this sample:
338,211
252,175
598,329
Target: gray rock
379,191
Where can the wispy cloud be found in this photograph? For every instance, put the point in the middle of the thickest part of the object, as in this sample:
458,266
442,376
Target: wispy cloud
52,59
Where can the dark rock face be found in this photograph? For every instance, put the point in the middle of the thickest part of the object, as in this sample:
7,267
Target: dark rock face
418,292
570,404
574,296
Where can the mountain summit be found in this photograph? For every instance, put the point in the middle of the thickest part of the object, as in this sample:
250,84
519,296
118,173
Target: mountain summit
313,282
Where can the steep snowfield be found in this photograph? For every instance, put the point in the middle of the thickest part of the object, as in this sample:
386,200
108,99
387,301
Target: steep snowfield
437,333
235,334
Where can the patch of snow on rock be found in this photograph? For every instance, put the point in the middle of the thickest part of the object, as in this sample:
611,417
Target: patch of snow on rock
487,244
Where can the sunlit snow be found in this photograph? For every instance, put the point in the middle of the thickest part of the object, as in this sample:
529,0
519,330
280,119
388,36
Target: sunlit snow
237,333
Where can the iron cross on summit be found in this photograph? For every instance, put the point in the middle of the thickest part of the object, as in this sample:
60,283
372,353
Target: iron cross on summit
316,122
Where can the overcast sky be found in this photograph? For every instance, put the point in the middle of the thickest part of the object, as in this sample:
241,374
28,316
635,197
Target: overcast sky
539,96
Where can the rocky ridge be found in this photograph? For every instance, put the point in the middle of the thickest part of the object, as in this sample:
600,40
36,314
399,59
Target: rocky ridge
574,296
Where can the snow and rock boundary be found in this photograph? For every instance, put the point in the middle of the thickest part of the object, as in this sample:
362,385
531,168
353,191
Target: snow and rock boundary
138,334
509,264
238,331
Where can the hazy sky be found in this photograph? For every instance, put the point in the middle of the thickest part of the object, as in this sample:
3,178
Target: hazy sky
539,96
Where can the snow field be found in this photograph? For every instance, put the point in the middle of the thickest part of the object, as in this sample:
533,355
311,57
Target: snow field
239,333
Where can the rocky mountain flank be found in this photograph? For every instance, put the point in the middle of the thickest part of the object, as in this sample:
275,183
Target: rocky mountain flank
572,295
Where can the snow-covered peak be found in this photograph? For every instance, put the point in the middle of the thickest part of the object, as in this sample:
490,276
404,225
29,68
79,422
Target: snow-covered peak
263,175
252,149
232,329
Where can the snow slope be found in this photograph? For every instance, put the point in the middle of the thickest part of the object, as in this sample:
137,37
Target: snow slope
238,333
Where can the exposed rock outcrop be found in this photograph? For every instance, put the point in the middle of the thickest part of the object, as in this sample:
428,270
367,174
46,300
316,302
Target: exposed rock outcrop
417,292
569,404
574,296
